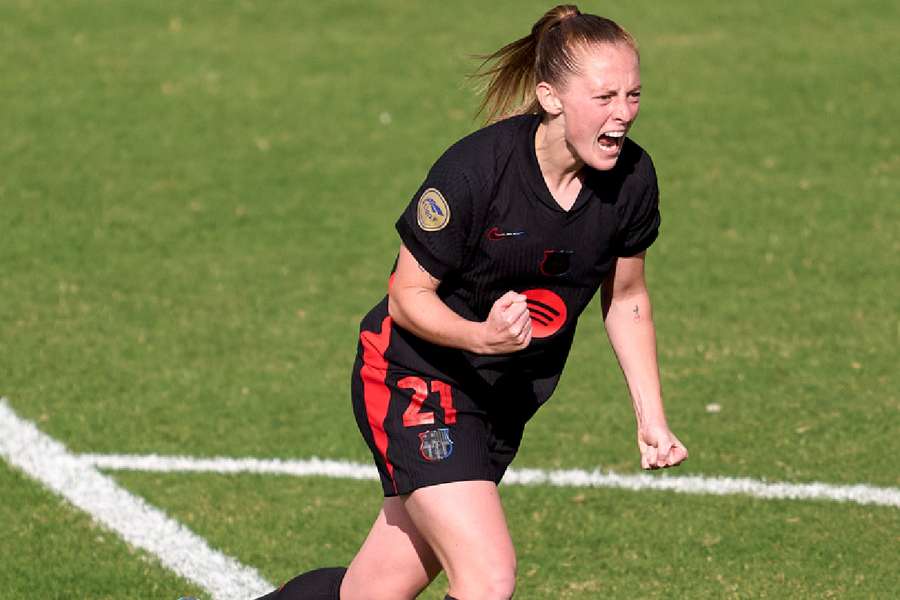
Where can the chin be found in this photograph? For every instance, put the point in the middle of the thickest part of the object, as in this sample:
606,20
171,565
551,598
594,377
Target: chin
604,163
601,159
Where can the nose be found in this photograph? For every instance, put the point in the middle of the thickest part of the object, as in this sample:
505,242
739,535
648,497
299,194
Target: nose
621,111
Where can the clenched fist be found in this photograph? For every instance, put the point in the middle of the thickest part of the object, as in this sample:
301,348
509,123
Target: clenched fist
660,448
508,325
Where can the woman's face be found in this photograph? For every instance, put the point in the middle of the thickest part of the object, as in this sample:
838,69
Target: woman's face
600,103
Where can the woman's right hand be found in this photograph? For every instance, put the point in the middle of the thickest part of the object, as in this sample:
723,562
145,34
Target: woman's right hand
508,325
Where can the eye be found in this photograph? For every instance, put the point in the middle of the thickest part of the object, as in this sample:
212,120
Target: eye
604,97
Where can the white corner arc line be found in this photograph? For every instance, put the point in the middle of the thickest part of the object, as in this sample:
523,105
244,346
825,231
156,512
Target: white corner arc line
683,484
142,525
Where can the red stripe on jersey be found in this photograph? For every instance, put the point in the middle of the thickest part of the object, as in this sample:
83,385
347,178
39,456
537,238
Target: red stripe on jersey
376,394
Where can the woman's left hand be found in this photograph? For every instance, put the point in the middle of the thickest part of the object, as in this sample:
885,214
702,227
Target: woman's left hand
659,447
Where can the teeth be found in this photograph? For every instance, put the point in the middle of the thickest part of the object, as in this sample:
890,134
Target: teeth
614,134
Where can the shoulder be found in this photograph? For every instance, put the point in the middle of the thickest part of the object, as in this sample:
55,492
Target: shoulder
635,165
496,138
631,182
637,201
483,154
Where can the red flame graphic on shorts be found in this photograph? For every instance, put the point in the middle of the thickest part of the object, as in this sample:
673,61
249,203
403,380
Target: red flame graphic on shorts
548,312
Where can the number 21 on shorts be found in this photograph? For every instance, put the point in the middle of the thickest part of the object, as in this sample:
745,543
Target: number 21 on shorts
413,415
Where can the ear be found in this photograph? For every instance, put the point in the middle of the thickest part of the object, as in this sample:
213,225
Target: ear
546,95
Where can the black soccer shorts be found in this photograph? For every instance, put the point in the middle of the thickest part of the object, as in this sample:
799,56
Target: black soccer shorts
423,431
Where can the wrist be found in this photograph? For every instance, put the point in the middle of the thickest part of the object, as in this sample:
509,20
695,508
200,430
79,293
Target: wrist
652,423
651,417
476,337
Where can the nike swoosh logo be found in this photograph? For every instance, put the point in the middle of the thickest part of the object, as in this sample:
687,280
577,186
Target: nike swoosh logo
494,233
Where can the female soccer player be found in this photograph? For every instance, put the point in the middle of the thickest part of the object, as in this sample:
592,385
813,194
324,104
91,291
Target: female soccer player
512,233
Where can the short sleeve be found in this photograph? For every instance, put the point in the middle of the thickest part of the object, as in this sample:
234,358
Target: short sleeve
640,218
435,225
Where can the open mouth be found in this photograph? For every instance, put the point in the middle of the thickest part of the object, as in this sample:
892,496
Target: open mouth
611,140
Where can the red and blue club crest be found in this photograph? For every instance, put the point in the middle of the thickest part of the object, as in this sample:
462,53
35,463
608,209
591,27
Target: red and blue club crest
435,444
556,262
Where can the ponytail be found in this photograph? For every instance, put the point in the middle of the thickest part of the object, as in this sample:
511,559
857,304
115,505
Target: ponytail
546,54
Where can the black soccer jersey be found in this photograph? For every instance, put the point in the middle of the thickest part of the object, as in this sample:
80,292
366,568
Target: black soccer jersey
484,223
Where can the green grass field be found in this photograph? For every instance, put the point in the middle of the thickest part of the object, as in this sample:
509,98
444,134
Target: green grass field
198,201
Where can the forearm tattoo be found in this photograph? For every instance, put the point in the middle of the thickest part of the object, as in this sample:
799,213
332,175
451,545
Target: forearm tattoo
637,313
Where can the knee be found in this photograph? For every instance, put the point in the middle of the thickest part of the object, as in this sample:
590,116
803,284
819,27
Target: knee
501,585
493,582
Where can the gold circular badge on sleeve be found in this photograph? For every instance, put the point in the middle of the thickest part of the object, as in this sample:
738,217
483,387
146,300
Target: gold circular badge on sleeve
433,212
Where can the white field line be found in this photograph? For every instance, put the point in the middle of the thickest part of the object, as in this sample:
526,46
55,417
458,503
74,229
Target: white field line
336,469
143,526
683,484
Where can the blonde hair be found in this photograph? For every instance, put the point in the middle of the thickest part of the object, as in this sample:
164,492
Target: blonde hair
548,54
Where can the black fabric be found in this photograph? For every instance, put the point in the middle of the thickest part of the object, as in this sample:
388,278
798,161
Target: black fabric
321,584
506,232
449,597
640,219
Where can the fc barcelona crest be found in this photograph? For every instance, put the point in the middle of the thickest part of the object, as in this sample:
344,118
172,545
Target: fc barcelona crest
435,444
556,262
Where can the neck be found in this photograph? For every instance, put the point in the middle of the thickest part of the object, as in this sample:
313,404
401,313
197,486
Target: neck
562,170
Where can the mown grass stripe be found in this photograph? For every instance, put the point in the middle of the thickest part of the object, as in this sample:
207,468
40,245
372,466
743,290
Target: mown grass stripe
683,484
177,548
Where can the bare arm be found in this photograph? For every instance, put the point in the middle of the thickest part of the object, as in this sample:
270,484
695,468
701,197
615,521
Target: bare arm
414,305
629,325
